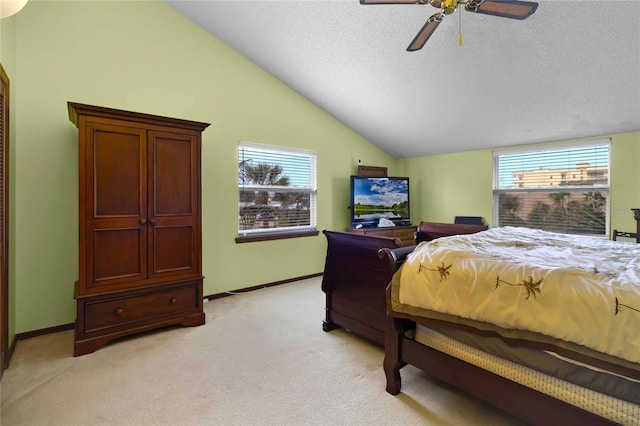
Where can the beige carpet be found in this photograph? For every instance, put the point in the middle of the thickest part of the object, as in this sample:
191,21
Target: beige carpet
261,359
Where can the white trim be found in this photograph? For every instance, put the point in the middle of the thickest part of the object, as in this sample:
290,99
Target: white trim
310,189
265,147
276,231
552,147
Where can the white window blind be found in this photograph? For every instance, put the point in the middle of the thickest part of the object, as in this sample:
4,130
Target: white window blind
561,189
276,189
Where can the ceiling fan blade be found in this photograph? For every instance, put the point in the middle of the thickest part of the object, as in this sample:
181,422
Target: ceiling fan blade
388,1
513,9
425,32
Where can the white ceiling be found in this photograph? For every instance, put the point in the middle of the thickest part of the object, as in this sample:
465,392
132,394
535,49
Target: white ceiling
571,70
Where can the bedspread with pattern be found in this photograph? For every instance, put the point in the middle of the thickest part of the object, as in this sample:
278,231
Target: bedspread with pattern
584,290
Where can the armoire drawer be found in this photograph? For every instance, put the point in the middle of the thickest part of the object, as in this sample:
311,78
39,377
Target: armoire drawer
124,310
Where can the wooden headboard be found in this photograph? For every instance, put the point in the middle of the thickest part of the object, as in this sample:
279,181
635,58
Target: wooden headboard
428,231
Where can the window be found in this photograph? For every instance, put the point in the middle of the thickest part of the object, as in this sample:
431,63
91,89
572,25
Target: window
561,189
276,191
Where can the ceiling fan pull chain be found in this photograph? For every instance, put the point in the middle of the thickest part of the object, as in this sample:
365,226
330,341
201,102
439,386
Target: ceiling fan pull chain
459,29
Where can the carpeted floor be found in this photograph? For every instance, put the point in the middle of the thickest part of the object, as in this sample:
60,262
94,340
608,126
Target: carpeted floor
261,359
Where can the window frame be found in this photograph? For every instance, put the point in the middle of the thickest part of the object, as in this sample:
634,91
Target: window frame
596,187
277,233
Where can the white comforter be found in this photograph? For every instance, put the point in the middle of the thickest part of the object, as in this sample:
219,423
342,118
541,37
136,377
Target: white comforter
584,290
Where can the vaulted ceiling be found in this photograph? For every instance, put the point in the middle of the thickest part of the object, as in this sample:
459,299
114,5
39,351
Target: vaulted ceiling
571,70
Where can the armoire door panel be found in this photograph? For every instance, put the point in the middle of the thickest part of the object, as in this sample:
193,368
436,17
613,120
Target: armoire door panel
173,185
173,250
117,170
117,256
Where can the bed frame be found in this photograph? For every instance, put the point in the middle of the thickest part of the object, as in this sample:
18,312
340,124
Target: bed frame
525,403
358,270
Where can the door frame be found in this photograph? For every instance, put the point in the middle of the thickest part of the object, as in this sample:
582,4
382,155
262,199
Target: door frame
4,226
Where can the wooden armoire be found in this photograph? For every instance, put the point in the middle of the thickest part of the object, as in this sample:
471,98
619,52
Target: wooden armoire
140,224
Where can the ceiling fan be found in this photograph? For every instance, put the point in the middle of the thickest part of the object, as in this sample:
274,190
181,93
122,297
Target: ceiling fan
513,9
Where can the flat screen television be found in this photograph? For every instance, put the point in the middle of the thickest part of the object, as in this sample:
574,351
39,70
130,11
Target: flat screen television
375,198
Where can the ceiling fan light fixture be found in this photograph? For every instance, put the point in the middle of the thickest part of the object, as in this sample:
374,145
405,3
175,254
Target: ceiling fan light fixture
449,6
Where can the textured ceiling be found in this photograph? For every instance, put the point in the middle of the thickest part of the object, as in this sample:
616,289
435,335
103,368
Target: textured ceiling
571,70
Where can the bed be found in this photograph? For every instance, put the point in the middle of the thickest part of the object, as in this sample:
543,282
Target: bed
495,314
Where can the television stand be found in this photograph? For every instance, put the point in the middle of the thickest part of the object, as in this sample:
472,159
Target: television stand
406,234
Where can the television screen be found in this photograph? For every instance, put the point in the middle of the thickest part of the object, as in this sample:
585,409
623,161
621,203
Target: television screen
374,198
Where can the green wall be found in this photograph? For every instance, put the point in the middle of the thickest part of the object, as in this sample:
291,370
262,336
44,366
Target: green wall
445,186
144,56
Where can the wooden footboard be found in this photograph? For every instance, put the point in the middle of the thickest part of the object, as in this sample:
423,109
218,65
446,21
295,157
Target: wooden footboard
514,398
354,278
354,282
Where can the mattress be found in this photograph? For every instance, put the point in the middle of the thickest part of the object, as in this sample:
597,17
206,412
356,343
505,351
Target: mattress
584,291
616,409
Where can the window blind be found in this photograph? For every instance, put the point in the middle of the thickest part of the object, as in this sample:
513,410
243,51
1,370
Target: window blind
276,189
562,189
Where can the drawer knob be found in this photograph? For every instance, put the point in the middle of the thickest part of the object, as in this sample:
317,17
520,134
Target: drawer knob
118,311
173,300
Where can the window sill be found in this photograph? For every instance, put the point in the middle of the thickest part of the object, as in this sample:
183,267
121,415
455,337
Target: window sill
275,236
